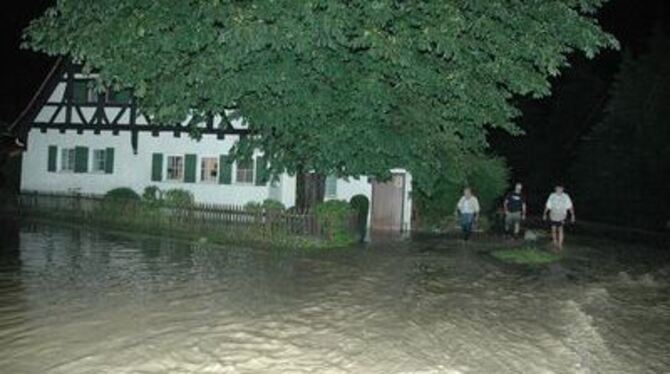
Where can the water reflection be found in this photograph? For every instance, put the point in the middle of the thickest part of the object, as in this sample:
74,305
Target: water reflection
78,301
13,308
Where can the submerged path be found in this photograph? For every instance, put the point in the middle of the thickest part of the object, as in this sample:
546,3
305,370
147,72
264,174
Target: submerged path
79,301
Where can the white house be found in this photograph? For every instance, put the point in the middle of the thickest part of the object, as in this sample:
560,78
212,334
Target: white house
80,141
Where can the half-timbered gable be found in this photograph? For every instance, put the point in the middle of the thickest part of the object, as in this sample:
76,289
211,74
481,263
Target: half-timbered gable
73,101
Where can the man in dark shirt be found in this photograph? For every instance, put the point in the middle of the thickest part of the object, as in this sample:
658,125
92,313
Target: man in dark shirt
515,209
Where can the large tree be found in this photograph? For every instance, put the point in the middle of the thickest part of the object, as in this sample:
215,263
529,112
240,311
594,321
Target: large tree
349,87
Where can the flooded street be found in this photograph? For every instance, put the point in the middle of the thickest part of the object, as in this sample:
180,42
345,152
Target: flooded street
79,301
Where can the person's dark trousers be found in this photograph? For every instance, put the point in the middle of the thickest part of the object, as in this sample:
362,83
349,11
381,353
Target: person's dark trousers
467,220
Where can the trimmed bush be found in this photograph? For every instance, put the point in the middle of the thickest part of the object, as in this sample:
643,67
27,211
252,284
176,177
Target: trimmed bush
122,194
178,198
333,216
361,205
273,205
152,194
119,202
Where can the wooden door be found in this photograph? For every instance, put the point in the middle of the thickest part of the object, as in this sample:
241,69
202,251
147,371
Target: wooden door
388,203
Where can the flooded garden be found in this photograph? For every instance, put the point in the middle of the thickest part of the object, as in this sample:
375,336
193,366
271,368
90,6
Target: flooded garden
76,300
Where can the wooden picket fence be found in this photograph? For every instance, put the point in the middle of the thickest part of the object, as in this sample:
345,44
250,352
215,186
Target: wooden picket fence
93,208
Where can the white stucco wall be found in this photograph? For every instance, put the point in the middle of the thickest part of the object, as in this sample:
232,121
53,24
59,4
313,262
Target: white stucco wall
407,204
134,170
349,187
130,170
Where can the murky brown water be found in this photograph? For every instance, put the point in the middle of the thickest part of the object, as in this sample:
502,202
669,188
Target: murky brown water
80,301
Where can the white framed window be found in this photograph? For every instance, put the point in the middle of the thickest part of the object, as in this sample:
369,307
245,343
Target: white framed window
331,186
99,160
209,169
175,168
67,156
245,172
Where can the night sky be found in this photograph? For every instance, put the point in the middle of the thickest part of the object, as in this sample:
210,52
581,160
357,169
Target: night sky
631,21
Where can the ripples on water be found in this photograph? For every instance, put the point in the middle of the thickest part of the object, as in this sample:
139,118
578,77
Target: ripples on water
78,301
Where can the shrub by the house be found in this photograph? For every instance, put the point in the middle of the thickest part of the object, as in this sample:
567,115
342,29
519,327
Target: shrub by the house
122,194
334,216
272,205
152,195
178,198
361,205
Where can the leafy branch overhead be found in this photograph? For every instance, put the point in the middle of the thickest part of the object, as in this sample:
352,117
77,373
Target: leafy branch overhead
337,86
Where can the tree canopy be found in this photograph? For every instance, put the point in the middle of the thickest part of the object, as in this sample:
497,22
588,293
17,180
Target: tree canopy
346,87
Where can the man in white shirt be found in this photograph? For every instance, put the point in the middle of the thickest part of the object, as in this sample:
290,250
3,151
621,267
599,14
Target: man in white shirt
468,210
557,208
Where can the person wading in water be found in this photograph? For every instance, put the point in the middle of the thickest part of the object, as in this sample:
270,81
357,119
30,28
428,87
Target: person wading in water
468,211
557,208
515,210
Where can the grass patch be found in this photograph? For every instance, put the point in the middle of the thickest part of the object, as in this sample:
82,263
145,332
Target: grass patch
526,256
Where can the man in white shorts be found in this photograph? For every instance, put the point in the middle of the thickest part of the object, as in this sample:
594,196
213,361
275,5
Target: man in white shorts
558,206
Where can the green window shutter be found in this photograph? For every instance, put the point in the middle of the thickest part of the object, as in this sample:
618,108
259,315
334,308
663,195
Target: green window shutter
262,173
189,172
109,160
80,159
80,91
156,167
225,170
53,153
331,186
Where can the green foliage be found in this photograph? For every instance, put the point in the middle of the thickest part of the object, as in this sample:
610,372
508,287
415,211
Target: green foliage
119,201
152,195
266,205
488,178
122,194
178,198
334,216
254,207
337,87
180,222
273,205
623,165
361,205
526,256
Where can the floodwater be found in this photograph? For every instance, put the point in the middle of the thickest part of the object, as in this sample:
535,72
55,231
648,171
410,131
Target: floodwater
82,301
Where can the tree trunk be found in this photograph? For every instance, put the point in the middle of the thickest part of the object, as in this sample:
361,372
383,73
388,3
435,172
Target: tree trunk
310,190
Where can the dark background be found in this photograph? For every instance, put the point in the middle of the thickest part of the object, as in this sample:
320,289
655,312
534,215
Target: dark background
555,126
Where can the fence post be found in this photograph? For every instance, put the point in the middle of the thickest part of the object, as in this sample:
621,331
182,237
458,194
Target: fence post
77,198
